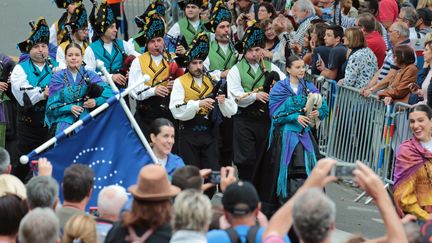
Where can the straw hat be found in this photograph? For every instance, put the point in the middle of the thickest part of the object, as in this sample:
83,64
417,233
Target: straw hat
153,185
11,184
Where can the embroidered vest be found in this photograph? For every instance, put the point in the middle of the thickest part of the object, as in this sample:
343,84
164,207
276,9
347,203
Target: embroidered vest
250,79
156,73
193,92
34,76
187,30
218,59
112,62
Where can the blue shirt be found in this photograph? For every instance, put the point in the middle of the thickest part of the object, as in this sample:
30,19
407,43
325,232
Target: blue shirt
221,236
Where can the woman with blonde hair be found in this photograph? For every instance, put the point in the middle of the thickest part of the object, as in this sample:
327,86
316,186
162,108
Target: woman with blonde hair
361,64
80,228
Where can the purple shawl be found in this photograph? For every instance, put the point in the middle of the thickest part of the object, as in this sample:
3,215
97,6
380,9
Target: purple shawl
410,157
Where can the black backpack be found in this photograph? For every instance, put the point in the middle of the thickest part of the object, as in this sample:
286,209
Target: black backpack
250,238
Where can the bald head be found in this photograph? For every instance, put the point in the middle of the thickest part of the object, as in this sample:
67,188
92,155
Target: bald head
110,201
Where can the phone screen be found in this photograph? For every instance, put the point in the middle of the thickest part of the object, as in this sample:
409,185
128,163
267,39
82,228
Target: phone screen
215,177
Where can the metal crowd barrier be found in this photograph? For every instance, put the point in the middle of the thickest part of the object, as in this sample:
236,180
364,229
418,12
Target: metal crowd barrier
361,128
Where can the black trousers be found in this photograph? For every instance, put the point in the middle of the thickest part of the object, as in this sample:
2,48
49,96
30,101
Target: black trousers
249,144
226,142
28,138
199,149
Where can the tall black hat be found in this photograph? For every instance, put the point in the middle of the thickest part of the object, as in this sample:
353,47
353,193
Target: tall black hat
78,19
220,13
39,34
253,37
184,3
65,3
101,18
199,48
157,7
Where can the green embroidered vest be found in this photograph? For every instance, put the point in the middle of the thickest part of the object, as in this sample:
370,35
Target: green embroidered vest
187,30
250,79
218,59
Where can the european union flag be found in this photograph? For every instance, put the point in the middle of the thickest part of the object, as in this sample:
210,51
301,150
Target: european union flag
108,145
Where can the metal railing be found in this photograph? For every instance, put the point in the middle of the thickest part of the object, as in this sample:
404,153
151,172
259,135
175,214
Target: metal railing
361,128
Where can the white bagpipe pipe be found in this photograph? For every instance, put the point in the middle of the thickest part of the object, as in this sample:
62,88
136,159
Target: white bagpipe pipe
24,159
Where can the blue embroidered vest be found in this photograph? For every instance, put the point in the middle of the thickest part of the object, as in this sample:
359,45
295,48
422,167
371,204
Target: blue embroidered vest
112,62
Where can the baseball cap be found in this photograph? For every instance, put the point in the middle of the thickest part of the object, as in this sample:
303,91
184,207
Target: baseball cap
240,198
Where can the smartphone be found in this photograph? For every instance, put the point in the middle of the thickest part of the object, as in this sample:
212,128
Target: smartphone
215,177
343,170
34,167
94,211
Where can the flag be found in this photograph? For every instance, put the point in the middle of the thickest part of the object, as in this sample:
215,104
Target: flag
108,145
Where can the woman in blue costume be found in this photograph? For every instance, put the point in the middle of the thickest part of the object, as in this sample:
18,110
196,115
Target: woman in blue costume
162,138
68,98
293,149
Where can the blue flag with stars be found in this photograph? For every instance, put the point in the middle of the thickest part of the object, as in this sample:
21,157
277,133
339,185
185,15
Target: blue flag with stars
108,145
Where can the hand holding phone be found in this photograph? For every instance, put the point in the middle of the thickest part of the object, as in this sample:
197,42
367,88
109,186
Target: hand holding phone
215,177
343,170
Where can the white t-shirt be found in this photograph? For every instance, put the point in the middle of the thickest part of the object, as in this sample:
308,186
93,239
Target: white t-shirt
427,145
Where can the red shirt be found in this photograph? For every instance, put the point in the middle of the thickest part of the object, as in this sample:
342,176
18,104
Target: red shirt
376,43
388,10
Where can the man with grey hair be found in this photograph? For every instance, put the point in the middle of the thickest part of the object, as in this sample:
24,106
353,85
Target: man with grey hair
399,35
303,12
409,16
5,166
314,216
111,200
39,225
42,192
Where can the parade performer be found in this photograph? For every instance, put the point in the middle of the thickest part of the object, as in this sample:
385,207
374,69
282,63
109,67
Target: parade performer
192,99
293,148
222,56
57,30
246,81
78,32
114,53
413,168
7,104
30,80
73,91
139,39
153,96
189,25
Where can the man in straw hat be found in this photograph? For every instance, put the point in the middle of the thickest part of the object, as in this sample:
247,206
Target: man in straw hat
30,80
107,48
245,82
192,100
149,219
77,29
153,96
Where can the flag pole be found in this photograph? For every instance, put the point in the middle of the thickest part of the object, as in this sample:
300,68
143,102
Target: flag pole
126,109
24,159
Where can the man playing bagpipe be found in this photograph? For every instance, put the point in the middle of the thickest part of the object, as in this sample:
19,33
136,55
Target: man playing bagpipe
249,82
57,30
114,53
77,31
30,80
192,102
187,26
139,39
222,56
153,96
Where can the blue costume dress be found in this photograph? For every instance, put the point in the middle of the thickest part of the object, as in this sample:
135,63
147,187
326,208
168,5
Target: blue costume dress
292,148
65,89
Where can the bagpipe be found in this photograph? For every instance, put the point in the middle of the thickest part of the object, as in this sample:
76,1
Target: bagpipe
6,67
28,105
93,91
126,64
313,103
